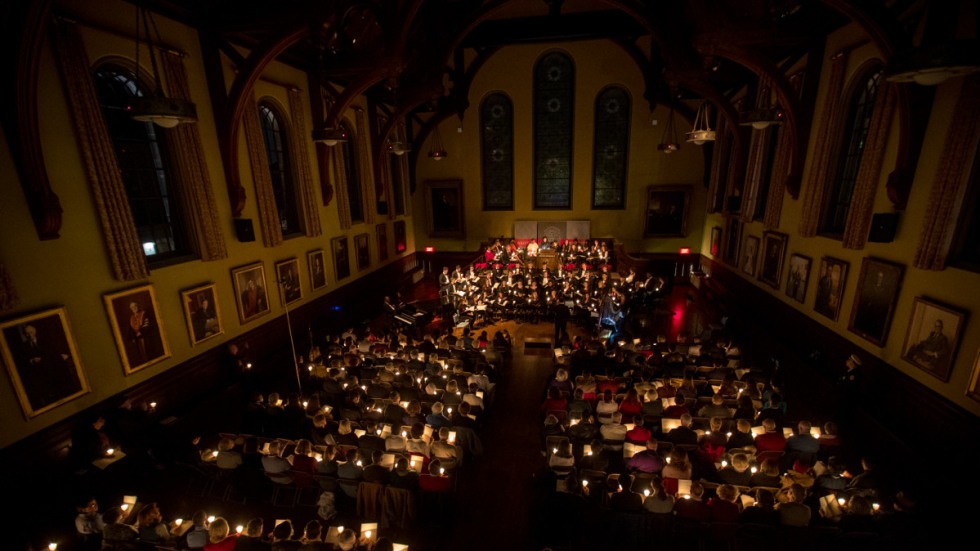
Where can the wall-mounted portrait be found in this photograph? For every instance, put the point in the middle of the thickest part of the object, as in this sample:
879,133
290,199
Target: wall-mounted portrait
666,214
773,251
382,234
830,286
732,240
715,241
251,292
362,249
798,276
136,324
444,199
933,337
318,270
750,255
401,237
874,303
201,313
341,257
41,360
287,279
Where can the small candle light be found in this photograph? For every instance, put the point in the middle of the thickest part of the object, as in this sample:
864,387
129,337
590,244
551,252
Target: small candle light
585,483
724,463
554,450
124,507
442,471
178,522
214,453
239,528
686,496
841,501
110,451
754,470
359,463
248,365
367,533
153,405
305,403
728,434
340,529
210,519
646,493
876,506
52,546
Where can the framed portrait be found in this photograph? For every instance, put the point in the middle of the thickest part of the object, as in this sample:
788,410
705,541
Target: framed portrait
201,313
773,251
287,281
932,337
401,239
715,241
750,255
362,248
734,237
136,325
251,293
42,361
382,233
444,202
666,214
874,303
318,271
341,258
799,276
973,390
830,286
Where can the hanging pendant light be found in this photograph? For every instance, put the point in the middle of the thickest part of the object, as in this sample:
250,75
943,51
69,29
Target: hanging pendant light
155,106
330,136
398,146
436,150
701,132
669,143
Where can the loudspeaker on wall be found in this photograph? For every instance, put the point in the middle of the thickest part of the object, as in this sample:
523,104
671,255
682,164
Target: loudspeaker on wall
883,227
244,229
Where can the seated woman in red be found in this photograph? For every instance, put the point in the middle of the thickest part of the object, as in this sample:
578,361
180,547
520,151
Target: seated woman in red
219,537
631,406
725,507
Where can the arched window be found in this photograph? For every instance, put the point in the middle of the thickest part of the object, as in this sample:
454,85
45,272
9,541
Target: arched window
277,152
860,107
355,201
497,151
554,104
610,148
144,167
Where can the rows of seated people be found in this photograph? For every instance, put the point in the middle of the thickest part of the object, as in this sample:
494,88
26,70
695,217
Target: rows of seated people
134,527
385,428
705,443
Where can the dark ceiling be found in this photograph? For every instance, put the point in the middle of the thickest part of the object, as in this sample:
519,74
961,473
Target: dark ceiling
399,51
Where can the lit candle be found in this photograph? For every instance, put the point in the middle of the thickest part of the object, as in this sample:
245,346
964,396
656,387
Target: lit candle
214,453
585,483
305,403
841,501
442,471
239,528
359,464
340,529
724,463
52,546
153,405
124,507
367,534
178,522
248,366
210,518
876,506
110,451
754,470
646,493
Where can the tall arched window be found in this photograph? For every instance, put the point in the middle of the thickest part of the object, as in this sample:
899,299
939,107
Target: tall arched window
610,148
144,167
277,153
860,107
354,198
497,151
554,104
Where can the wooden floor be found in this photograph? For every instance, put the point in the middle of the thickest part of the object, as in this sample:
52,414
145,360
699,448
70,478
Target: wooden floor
496,494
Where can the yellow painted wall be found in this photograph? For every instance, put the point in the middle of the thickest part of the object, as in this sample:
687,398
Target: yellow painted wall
952,286
598,64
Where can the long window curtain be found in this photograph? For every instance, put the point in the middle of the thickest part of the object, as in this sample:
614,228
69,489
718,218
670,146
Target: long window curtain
265,197
304,176
126,257
949,185
8,295
718,173
777,180
753,173
366,169
338,173
194,188
402,164
827,139
869,172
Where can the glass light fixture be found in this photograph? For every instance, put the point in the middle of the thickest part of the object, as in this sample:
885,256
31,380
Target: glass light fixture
155,106
701,131
436,150
329,135
669,142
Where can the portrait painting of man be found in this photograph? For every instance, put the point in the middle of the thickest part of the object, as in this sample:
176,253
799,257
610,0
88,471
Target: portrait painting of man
933,336
201,311
136,326
44,367
250,291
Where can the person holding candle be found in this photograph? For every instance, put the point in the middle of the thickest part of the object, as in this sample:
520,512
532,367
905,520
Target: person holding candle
282,537
252,538
151,527
197,536
116,534
659,501
220,536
